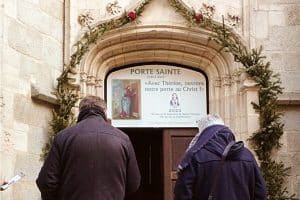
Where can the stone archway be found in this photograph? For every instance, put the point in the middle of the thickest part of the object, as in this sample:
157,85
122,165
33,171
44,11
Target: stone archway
179,45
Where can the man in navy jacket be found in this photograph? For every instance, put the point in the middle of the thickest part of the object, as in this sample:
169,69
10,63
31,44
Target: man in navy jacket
91,160
238,178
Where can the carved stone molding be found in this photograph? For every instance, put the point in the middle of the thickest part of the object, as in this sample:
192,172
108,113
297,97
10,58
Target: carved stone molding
217,82
226,81
91,81
99,83
83,77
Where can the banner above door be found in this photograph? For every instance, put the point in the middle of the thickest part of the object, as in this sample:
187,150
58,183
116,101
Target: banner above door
156,95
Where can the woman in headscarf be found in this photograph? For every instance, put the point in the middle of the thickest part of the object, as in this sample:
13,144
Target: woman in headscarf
216,167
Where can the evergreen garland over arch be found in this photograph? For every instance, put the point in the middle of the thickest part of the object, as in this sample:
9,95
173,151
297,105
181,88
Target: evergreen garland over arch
264,140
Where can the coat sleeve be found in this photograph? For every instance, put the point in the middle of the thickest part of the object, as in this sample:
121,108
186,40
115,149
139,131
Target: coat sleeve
49,176
132,173
185,182
260,185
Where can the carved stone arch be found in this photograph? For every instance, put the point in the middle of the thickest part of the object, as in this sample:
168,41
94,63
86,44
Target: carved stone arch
163,43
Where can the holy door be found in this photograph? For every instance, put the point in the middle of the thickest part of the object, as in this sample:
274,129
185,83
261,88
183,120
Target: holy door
175,142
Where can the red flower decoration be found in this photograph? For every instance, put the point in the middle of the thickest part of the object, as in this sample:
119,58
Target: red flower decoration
198,17
131,15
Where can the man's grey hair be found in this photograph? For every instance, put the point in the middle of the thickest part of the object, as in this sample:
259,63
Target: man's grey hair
92,101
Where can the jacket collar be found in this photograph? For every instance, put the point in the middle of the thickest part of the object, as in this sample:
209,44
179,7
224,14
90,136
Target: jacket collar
91,111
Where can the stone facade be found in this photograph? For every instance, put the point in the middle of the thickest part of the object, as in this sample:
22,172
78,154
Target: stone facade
37,37
31,56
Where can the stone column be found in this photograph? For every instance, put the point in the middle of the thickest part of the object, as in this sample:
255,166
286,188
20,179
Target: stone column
250,123
83,87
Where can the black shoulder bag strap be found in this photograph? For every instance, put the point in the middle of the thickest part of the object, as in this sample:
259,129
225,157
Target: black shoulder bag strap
224,155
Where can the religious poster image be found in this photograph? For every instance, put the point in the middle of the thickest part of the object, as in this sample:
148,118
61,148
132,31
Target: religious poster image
126,99
174,102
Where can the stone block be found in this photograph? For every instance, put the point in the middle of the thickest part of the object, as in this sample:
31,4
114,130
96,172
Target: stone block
291,118
42,94
36,139
26,190
29,112
20,86
261,24
280,38
11,57
38,19
289,98
53,8
277,18
293,15
290,80
7,108
21,136
28,164
52,53
10,8
24,40
293,141
291,61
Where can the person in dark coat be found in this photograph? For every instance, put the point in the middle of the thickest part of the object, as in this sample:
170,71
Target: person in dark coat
91,160
201,174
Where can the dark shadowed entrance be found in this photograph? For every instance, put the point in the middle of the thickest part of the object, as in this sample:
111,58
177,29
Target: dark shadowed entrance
147,143
158,153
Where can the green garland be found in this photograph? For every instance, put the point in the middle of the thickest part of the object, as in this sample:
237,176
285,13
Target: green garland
264,141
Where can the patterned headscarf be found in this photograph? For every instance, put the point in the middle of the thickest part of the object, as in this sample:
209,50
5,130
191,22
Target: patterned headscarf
203,123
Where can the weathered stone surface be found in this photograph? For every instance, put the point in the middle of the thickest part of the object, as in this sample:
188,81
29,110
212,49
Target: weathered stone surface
29,112
24,40
21,136
291,118
38,19
53,8
289,80
36,139
293,15
12,58
29,164
52,53
289,98
293,141
283,38
261,24
277,18
11,8
42,94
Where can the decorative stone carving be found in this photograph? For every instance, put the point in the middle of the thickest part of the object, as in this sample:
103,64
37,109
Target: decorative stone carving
98,83
226,81
233,20
90,80
113,8
208,10
83,77
85,20
217,82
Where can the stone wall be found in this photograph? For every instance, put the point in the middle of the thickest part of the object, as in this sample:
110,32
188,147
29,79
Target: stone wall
276,26
31,58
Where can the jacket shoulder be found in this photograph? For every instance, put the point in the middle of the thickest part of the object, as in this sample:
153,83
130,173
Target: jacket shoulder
203,155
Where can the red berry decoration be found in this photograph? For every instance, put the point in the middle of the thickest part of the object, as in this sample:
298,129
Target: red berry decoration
198,17
131,15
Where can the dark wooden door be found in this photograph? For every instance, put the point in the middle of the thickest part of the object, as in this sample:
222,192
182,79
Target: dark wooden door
175,142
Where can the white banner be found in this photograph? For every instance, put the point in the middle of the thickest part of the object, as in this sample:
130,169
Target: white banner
156,96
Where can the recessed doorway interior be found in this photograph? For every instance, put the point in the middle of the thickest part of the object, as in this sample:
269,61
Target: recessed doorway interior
147,143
